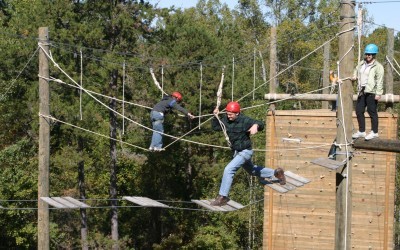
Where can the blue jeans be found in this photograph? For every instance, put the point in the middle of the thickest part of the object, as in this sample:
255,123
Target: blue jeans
242,158
157,120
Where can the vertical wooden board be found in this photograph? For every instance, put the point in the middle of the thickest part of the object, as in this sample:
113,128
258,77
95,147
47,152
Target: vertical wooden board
294,225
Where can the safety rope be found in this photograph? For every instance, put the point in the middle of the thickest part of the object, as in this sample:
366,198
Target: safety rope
391,65
156,82
219,97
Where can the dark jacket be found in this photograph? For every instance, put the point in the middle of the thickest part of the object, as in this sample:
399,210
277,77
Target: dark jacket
167,104
237,130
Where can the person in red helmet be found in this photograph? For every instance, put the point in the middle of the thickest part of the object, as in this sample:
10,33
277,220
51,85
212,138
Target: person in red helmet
166,105
239,128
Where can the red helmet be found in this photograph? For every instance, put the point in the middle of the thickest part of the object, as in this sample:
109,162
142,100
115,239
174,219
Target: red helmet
233,107
177,95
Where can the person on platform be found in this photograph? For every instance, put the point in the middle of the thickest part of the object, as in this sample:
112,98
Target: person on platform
369,75
239,128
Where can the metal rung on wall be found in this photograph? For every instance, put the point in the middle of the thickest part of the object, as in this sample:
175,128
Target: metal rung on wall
230,206
64,202
144,201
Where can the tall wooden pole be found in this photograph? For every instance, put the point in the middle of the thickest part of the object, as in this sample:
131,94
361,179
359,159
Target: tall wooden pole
388,67
44,142
345,127
325,74
272,62
113,163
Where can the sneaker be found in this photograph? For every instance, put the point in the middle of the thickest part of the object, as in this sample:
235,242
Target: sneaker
371,135
151,148
280,174
358,135
220,201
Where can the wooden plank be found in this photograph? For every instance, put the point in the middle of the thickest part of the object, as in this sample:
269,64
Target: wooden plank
76,202
235,204
230,206
206,204
328,163
65,202
52,202
294,182
144,201
297,177
277,188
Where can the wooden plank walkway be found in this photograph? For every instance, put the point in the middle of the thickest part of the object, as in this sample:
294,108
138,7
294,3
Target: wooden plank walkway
64,202
144,201
328,163
293,181
230,206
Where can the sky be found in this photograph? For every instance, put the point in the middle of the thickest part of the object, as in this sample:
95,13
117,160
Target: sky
385,13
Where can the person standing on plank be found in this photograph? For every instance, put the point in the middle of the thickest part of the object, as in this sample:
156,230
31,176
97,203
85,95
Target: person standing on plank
239,128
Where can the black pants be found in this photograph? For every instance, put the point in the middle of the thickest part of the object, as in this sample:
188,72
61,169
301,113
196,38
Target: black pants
367,100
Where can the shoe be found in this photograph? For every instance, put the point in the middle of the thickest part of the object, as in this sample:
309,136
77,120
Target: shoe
220,201
151,148
157,149
358,135
280,174
371,135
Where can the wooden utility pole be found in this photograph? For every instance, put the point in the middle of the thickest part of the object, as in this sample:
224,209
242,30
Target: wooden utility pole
113,164
325,74
272,62
44,141
82,195
385,145
345,127
388,68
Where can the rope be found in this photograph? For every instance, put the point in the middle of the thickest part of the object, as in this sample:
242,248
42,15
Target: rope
89,131
19,74
233,76
201,86
156,82
92,92
301,59
219,97
80,90
391,65
360,28
181,138
123,97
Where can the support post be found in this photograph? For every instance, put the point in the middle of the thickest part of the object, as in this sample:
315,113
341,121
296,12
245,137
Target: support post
113,161
44,142
388,67
325,74
345,126
272,62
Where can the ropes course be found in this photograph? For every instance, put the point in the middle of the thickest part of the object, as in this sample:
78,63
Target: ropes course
93,95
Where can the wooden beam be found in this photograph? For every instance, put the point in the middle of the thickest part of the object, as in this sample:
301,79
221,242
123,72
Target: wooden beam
388,98
378,145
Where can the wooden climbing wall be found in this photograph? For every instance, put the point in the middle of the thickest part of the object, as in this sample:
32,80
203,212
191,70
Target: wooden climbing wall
305,218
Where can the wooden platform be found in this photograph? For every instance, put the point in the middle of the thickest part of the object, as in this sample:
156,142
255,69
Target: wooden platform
293,181
230,206
328,163
64,202
144,201
305,218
